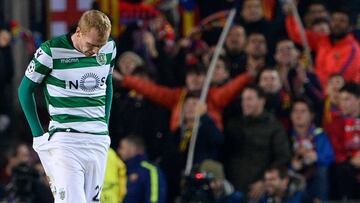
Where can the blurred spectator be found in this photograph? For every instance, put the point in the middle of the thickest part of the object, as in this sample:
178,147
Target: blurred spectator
316,10
332,120
313,152
208,143
321,25
278,100
145,181
234,46
251,17
338,52
256,51
163,65
6,77
348,171
114,187
152,39
296,79
20,153
282,186
22,182
332,91
128,61
133,37
286,57
221,73
132,113
189,51
254,141
43,178
173,98
209,139
26,186
206,57
221,190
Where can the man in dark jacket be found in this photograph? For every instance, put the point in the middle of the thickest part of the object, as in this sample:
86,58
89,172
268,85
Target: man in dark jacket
253,142
277,97
145,181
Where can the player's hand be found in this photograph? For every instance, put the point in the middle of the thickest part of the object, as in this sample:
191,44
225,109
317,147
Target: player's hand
40,140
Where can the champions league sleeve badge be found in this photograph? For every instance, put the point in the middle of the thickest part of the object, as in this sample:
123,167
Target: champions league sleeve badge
31,67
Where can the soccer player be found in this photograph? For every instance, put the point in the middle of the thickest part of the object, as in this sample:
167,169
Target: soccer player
75,72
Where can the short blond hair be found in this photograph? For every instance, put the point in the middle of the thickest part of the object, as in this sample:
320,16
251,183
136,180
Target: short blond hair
95,19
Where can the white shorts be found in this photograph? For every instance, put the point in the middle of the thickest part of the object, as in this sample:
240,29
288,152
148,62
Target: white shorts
75,164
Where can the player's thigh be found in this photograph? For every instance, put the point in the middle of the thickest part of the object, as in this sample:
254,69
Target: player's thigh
41,146
68,173
94,176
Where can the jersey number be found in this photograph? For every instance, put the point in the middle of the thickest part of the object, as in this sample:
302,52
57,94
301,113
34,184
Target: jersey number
96,197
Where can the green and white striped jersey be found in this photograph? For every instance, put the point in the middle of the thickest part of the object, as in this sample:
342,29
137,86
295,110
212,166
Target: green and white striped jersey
74,85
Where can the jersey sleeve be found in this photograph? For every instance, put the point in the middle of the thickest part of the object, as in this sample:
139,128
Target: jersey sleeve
41,64
113,57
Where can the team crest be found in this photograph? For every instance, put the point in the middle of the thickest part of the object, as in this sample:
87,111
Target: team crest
101,58
62,193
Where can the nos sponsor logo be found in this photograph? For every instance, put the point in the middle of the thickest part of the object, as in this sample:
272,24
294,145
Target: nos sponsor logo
88,83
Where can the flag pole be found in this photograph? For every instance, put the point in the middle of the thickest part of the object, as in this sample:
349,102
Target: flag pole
304,40
205,88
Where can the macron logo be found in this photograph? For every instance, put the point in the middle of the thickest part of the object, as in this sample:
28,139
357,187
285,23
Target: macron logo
70,60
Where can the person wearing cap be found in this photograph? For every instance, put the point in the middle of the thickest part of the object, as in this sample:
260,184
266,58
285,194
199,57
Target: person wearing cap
222,190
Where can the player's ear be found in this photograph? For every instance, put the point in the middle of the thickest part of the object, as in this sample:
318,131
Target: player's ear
78,31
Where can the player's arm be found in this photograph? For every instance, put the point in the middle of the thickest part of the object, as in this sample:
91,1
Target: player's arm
109,96
39,67
27,101
109,86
